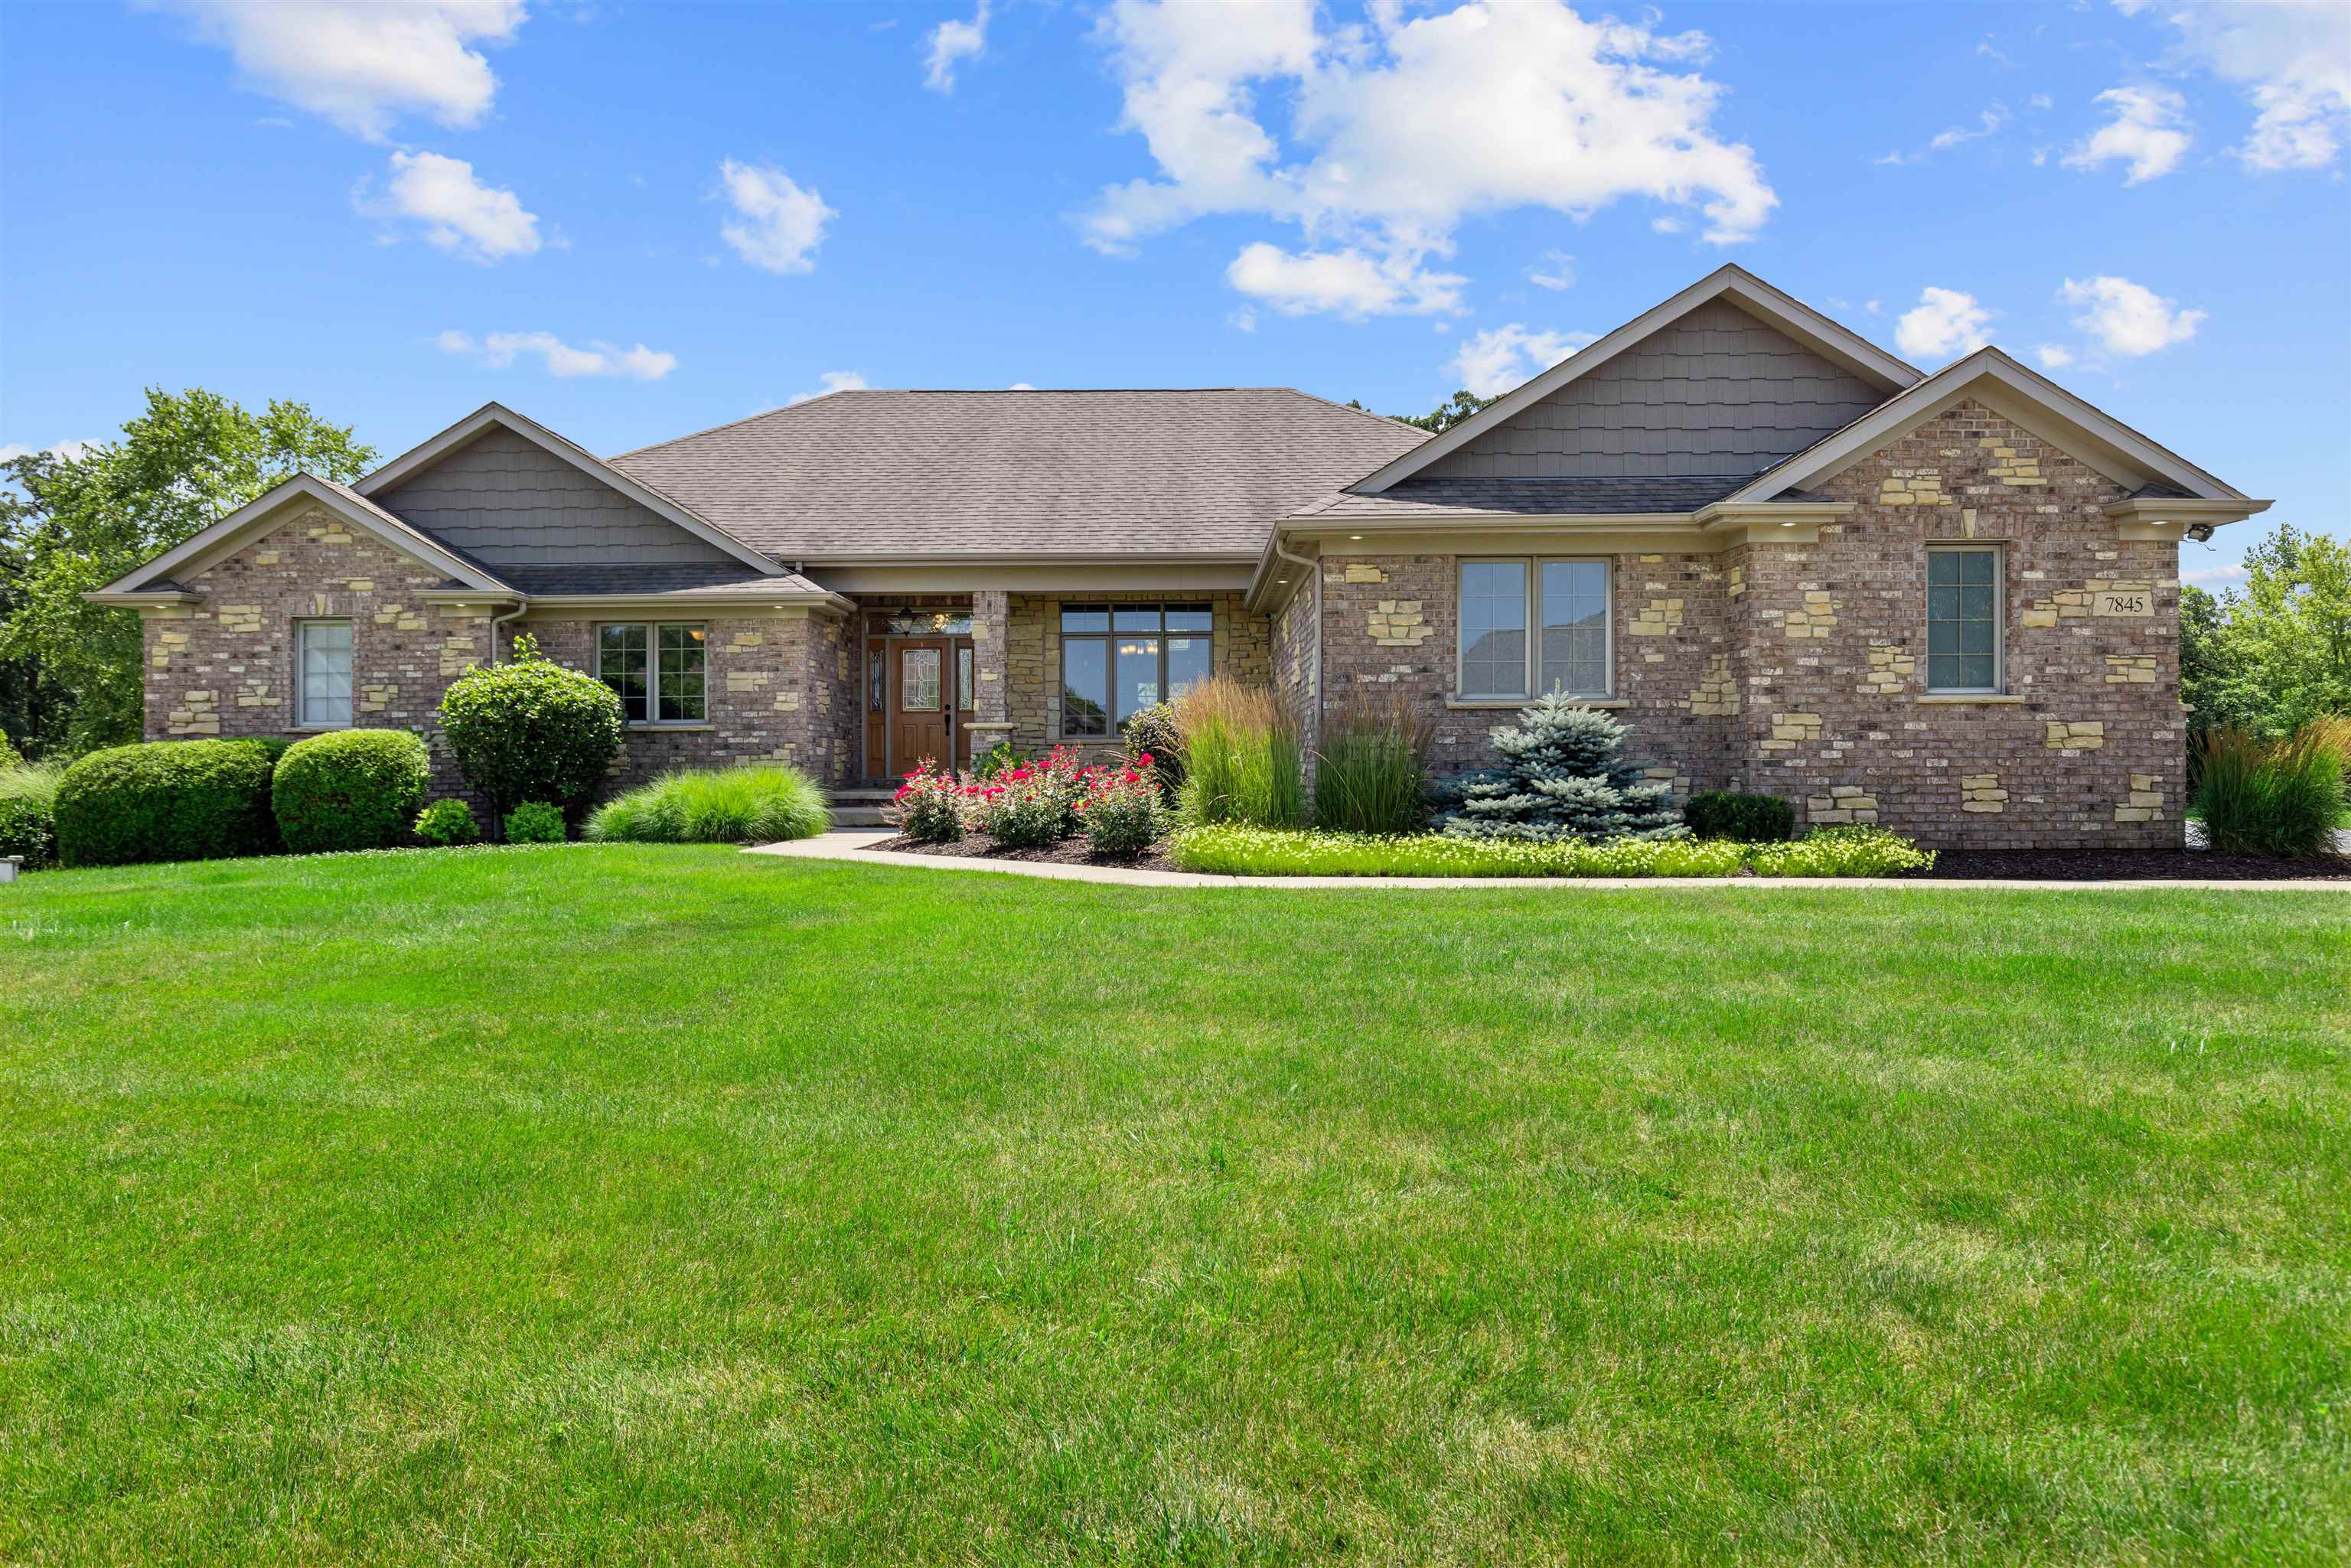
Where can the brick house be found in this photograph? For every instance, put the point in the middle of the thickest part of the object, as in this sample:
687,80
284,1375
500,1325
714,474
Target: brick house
1787,560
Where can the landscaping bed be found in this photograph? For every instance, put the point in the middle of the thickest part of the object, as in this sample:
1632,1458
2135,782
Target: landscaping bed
2130,865
1068,851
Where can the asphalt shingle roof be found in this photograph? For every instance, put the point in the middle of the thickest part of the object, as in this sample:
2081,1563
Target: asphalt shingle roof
1436,498
640,580
1193,472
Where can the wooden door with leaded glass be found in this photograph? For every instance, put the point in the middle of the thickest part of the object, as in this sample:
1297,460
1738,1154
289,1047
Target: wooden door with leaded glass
921,690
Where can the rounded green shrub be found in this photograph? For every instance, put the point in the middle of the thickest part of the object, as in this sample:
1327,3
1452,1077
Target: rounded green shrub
750,803
351,790
535,823
166,800
1741,817
29,810
532,731
446,822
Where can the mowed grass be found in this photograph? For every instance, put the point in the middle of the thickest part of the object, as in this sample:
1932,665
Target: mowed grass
626,1204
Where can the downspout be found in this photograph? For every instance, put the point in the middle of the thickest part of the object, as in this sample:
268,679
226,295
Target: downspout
499,621
1314,567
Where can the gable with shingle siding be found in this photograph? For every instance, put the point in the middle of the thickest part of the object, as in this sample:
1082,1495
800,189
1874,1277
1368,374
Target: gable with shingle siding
1715,391
510,502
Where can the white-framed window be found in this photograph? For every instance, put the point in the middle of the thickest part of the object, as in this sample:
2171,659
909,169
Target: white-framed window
1119,659
1966,631
1530,624
322,655
656,668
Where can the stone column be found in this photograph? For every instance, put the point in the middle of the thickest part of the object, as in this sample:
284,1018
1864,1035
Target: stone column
991,617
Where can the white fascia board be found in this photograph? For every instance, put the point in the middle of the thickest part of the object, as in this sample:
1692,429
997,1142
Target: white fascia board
418,458
1783,311
257,515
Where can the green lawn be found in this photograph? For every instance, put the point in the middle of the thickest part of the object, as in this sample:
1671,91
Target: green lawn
617,1204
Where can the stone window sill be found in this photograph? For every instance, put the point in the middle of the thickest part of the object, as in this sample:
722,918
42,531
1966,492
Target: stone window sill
1478,704
667,728
1972,699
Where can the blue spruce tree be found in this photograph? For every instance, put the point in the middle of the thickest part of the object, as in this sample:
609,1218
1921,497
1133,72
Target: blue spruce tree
1563,776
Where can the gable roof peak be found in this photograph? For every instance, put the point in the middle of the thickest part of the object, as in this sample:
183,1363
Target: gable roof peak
1776,308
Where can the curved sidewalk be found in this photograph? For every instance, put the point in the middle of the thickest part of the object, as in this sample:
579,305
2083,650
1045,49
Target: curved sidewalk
852,844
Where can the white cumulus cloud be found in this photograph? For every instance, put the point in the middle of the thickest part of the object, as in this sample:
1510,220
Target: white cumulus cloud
951,43
362,64
500,349
1399,130
1348,282
2054,356
2148,131
1495,360
1555,270
2128,318
1944,324
66,451
2293,59
777,226
460,215
833,381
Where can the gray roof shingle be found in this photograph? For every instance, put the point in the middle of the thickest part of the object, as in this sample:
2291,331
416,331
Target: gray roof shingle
1192,472
638,581
1436,498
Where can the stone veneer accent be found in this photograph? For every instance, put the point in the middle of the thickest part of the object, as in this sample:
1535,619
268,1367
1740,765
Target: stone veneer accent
1800,668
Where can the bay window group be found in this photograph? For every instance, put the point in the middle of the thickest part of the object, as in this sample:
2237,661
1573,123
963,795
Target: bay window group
1119,659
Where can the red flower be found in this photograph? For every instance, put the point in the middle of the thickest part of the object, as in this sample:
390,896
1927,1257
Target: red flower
1144,759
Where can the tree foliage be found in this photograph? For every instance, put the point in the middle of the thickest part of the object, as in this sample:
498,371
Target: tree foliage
1444,416
2271,657
69,671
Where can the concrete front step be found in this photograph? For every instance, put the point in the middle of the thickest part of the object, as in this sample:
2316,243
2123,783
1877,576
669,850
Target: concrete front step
859,808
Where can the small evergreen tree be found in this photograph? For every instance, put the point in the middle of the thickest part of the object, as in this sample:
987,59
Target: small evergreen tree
1563,776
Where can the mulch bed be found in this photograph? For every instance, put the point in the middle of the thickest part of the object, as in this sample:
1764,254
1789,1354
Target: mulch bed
2007,865
2128,865
1069,852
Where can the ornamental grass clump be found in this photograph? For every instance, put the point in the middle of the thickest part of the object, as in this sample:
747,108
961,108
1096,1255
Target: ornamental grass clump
749,803
29,810
1371,769
1563,776
2273,798
1242,756
1124,811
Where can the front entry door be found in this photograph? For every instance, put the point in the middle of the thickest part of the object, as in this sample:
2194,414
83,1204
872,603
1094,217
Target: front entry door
921,692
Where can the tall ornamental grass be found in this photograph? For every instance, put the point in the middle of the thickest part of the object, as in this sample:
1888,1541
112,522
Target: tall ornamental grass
1370,769
2273,798
1242,756
28,809
750,803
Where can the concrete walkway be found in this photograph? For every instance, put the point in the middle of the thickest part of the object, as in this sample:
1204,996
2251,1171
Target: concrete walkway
852,844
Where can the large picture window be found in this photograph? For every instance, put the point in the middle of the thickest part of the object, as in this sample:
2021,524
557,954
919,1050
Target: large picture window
1119,659
656,668
324,650
1530,626
1964,623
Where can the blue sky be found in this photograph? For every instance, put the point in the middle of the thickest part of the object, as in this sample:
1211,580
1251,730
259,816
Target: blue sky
634,220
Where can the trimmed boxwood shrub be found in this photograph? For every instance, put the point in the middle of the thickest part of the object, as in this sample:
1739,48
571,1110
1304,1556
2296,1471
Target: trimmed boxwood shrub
532,731
533,822
166,800
351,790
1741,817
446,822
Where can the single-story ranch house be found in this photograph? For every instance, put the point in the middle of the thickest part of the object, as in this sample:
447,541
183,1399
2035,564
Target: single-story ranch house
1790,562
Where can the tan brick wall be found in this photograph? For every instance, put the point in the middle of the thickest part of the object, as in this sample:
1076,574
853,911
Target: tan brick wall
779,687
2092,756
1241,646
224,666
1798,669
1391,621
